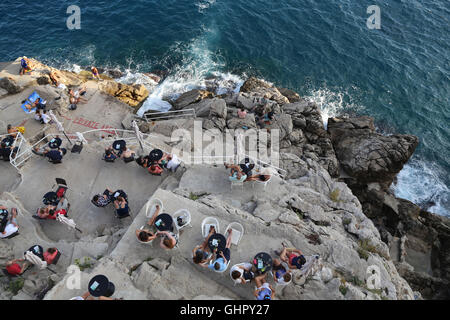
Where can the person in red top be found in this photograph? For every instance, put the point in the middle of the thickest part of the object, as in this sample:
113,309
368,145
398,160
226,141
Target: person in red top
50,255
17,266
155,169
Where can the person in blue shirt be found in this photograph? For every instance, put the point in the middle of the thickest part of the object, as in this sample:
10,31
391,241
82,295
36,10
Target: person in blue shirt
222,257
264,291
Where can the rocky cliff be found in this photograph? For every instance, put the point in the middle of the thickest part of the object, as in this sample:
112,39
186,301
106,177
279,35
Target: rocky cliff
333,202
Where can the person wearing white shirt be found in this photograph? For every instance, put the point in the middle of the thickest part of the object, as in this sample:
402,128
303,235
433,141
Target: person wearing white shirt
173,163
12,226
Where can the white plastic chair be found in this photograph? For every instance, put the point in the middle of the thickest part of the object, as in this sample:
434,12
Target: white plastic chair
238,232
150,208
237,184
186,217
264,183
207,223
236,267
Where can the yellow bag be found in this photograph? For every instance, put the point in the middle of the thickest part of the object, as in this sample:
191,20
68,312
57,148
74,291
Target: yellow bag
21,129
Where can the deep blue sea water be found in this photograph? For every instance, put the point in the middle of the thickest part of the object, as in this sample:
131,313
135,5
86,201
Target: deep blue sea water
322,49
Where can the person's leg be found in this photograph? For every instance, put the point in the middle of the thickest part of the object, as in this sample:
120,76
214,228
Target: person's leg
283,255
212,230
259,280
153,219
228,245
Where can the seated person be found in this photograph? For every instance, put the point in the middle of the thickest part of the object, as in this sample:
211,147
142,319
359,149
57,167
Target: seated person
264,290
149,232
172,162
9,226
279,272
243,274
143,161
222,258
51,256
236,173
168,239
17,266
55,155
110,155
38,116
45,118
121,206
102,200
201,253
7,151
267,119
127,154
75,96
259,177
293,257
12,131
44,213
155,169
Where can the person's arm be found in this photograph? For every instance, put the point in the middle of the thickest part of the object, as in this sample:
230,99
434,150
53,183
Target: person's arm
273,292
255,293
116,204
297,251
194,250
224,259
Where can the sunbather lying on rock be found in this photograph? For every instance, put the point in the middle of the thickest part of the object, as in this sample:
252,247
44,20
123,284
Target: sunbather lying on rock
75,96
8,224
149,232
201,253
264,291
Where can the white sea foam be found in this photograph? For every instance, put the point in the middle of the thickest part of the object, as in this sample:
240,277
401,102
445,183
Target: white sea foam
420,182
331,103
199,69
202,5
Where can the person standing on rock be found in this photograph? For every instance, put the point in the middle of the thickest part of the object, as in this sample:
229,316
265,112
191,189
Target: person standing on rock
95,73
24,66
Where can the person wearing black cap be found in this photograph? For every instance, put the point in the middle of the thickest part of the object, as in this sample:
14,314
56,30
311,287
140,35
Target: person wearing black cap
293,257
119,146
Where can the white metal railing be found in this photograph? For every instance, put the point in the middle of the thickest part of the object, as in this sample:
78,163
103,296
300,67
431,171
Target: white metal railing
22,154
25,151
169,115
